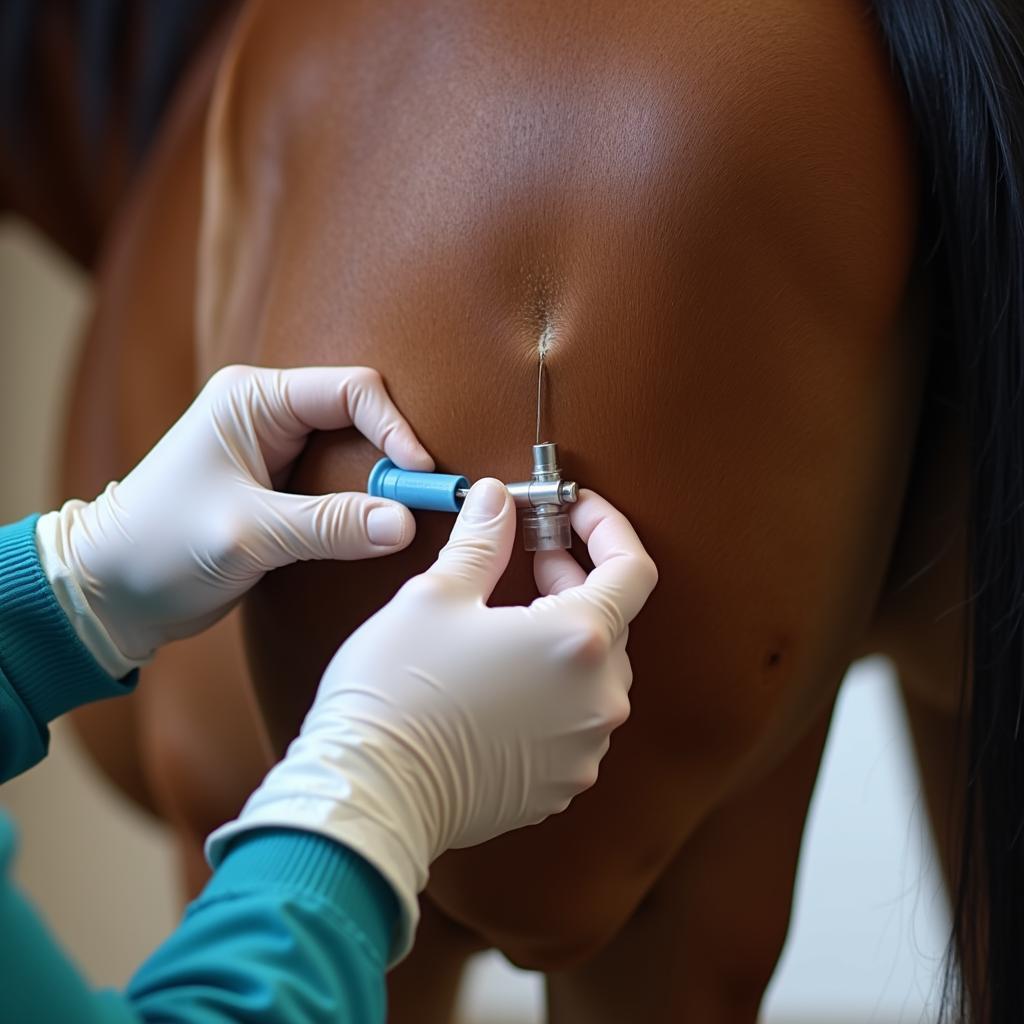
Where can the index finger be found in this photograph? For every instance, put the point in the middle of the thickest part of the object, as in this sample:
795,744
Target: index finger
330,398
623,575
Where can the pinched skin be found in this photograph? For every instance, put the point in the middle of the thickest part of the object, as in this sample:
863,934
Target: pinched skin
708,209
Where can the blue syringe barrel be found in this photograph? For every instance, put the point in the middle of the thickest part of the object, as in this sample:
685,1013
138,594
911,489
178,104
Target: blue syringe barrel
429,491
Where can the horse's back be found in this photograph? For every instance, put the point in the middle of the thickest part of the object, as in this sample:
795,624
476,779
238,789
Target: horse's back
705,216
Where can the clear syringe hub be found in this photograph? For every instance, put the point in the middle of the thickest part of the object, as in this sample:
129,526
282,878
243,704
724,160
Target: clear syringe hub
546,527
547,531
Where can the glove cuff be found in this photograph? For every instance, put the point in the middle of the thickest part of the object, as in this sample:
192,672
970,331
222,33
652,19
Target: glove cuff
379,843
51,531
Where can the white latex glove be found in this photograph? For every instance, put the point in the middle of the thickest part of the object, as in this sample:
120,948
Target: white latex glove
442,722
171,548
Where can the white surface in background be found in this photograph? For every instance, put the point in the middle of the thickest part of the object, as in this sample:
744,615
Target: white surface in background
871,918
870,922
104,876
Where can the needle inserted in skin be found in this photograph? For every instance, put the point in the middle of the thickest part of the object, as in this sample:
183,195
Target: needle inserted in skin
540,392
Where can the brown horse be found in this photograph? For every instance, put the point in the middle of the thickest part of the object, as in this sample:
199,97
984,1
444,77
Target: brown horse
709,213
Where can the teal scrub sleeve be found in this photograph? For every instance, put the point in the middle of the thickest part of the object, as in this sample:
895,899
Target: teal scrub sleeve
45,669
292,929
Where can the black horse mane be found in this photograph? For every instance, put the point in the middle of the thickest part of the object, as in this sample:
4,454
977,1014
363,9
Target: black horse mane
164,35
962,65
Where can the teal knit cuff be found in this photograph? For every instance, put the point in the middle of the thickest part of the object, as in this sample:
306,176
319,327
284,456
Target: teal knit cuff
291,862
49,668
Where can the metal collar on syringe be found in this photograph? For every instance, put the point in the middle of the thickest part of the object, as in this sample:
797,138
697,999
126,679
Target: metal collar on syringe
545,495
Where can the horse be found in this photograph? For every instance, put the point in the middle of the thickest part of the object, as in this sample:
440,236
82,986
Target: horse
771,255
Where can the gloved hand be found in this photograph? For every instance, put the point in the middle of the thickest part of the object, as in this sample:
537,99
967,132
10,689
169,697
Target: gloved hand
442,722
171,548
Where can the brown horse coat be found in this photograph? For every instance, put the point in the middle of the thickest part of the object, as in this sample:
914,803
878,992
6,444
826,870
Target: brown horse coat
709,212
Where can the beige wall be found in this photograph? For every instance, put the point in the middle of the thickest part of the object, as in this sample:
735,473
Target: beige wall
101,871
